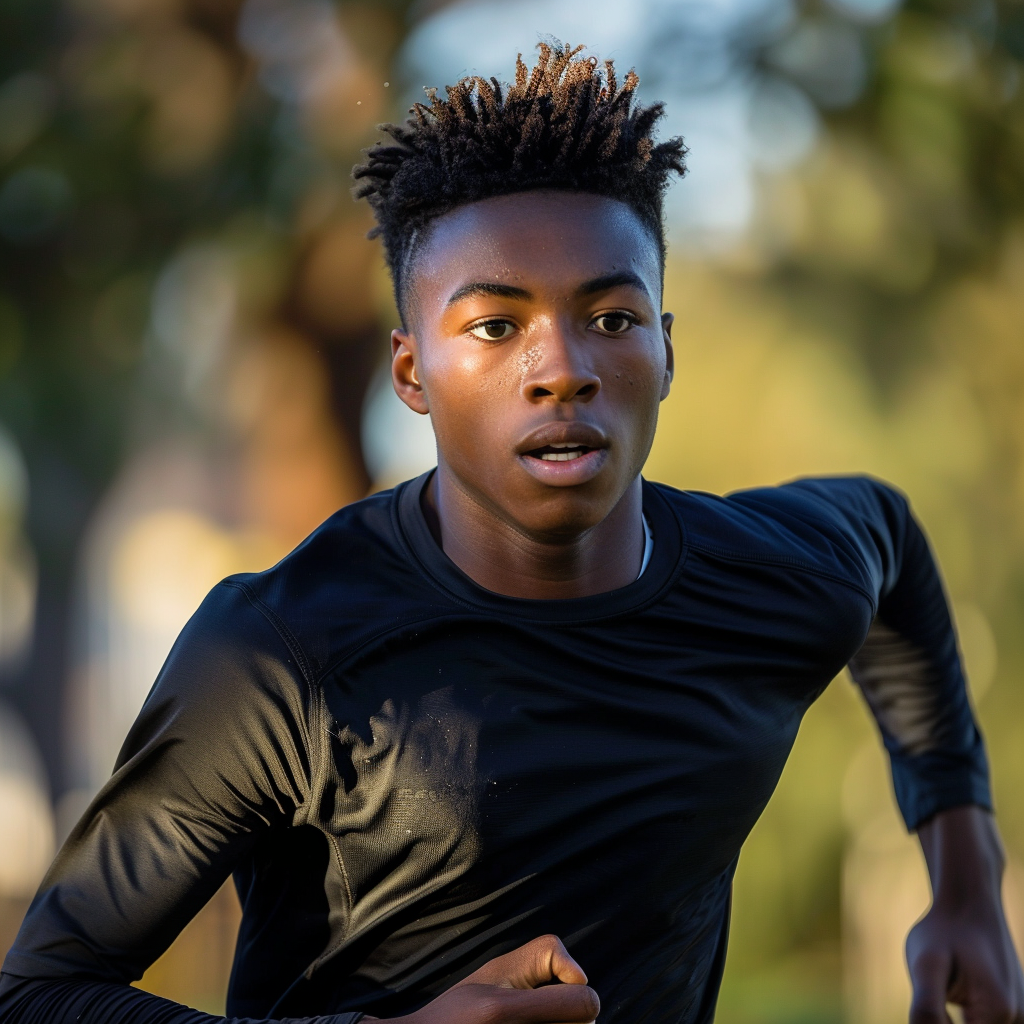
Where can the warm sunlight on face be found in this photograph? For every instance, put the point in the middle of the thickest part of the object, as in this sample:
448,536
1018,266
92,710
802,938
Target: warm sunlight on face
538,346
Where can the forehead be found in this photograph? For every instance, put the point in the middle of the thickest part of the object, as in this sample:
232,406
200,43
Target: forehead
544,241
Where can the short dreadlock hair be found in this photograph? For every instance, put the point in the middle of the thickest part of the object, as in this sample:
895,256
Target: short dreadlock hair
567,124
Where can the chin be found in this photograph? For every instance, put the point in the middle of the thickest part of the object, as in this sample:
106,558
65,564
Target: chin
561,513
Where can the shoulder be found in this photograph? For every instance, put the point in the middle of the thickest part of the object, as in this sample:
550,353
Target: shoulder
842,526
230,682
250,632
842,506
352,574
229,653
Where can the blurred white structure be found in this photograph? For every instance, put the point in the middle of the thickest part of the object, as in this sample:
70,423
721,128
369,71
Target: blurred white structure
158,543
153,552
26,821
231,470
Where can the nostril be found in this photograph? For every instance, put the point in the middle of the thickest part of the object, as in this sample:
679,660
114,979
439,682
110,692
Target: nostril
541,392
587,389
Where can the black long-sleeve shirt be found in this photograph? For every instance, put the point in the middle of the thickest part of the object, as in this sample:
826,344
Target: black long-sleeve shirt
408,775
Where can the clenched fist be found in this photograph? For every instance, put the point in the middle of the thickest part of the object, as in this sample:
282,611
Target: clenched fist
961,951
517,988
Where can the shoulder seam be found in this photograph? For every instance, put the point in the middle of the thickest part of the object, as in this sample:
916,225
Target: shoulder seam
280,628
790,563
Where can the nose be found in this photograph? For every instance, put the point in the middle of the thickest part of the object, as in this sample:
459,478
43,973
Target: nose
558,366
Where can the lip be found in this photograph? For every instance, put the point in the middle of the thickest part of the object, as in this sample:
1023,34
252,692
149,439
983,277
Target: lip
573,472
563,432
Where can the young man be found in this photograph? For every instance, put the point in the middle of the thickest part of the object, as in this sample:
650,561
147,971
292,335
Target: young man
528,694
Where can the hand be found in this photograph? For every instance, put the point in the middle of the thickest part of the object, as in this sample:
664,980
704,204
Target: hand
516,989
961,951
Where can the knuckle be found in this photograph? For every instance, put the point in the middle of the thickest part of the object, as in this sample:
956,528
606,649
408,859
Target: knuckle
579,1003
591,1003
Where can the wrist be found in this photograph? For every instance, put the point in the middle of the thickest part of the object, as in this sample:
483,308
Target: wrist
965,858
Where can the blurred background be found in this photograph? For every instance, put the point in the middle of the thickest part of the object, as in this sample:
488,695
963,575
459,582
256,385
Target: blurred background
193,334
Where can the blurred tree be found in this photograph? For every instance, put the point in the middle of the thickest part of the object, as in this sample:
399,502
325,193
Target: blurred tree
129,128
133,129
875,318
907,246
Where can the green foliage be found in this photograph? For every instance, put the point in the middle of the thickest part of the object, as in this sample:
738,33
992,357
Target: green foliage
875,322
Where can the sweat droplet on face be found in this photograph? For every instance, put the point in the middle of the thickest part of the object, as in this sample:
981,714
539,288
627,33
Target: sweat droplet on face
528,361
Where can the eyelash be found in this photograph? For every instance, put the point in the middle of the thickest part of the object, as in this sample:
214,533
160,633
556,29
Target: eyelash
493,322
617,314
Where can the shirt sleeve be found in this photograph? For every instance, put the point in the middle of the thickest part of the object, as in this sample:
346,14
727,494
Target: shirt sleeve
24,1001
219,755
909,668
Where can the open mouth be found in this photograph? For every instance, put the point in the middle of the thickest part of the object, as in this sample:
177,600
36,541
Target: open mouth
560,452
563,453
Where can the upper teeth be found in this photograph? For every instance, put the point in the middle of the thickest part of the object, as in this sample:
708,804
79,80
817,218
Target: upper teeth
560,456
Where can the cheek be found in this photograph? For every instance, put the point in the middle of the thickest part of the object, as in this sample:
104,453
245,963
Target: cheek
634,388
639,376
463,387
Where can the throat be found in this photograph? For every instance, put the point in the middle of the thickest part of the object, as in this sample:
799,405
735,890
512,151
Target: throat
504,559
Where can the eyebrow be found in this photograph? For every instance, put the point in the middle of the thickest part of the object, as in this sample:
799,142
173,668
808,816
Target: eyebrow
614,280
595,285
502,291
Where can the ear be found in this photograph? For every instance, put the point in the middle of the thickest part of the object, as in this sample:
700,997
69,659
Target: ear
404,375
667,319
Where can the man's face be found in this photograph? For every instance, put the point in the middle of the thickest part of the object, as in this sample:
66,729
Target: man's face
537,345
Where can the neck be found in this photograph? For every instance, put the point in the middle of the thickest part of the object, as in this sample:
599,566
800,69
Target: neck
506,560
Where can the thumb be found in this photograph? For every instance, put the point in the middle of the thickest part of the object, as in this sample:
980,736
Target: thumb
540,962
930,973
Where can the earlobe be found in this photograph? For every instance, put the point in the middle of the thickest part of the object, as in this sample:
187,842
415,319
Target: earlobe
404,375
667,319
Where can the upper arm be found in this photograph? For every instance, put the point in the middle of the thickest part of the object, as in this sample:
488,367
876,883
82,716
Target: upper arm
219,754
909,666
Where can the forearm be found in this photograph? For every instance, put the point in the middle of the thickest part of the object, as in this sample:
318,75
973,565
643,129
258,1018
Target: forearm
25,1001
965,857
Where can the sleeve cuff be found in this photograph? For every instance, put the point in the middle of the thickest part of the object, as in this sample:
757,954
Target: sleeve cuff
931,783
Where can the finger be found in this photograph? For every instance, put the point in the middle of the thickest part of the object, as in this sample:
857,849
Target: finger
930,973
539,962
559,965
567,1004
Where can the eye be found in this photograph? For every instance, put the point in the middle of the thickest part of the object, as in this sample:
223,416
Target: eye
492,330
614,323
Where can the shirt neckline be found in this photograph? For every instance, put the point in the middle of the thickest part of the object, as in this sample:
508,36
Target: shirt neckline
665,564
